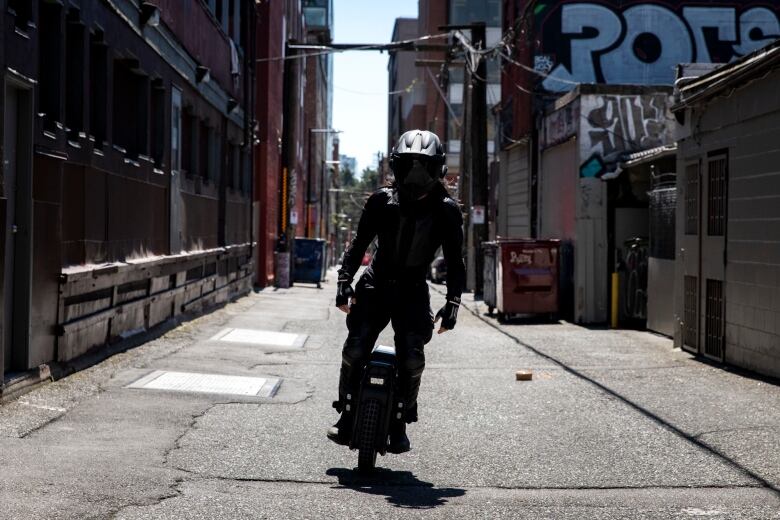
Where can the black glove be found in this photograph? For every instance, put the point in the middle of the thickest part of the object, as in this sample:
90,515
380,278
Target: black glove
449,313
344,291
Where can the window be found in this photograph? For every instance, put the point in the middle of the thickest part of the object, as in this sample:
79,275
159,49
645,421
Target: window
98,81
74,75
246,173
158,122
189,127
692,199
50,34
131,108
176,129
471,11
716,196
203,149
22,10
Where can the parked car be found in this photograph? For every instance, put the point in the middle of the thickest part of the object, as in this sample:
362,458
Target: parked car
438,273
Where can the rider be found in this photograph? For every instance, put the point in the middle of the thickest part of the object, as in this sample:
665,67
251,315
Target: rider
412,218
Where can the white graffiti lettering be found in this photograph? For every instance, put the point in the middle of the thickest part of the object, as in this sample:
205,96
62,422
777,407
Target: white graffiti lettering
643,43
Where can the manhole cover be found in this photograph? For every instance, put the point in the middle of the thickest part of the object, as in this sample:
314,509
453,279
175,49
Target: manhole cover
262,337
208,383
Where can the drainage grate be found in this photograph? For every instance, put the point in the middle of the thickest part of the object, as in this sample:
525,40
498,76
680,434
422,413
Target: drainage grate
208,383
262,337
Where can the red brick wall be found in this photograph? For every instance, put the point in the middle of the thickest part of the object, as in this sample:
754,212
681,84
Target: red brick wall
268,156
195,28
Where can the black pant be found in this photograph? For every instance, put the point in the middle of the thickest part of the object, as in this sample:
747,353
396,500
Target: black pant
407,305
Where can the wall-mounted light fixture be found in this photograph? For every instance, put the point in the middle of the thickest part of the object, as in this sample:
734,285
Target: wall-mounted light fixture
150,14
202,74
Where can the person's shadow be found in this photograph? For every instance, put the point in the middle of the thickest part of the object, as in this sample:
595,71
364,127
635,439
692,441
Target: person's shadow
400,488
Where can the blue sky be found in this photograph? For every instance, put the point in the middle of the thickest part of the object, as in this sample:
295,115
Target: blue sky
363,117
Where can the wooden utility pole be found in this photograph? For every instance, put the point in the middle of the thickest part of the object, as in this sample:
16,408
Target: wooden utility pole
472,183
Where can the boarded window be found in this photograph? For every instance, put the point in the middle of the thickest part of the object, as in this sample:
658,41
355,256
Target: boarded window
717,178
692,199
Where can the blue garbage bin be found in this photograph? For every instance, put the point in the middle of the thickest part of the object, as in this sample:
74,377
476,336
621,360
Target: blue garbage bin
309,260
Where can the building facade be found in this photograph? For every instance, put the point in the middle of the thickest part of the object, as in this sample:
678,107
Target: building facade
556,46
727,288
126,169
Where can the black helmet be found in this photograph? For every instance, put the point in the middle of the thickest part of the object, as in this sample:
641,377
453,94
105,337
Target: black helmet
421,145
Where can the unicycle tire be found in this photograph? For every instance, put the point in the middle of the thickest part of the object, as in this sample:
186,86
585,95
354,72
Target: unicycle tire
368,429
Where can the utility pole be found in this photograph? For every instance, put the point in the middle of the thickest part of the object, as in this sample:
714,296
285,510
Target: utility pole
473,185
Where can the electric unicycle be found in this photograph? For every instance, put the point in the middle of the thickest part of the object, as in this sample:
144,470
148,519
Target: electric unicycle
376,407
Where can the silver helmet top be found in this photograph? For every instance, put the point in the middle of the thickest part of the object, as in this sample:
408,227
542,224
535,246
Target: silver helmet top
419,142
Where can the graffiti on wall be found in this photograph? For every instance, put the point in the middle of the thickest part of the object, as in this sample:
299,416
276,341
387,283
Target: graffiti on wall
642,43
613,126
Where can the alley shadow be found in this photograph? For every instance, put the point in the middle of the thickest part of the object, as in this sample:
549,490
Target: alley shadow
400,488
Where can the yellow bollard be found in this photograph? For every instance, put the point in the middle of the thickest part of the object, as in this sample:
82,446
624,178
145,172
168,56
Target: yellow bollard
615,282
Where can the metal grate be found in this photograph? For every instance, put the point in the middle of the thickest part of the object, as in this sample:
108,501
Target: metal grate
690,314
208,383
262,337
716,196
715,325
692,199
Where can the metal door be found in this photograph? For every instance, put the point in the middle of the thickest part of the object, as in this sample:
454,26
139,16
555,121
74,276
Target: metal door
17,170
690,253
9,191
712,303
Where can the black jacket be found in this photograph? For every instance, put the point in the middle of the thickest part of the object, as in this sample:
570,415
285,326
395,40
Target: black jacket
409,235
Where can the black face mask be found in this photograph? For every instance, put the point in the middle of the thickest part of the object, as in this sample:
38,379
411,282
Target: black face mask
417,182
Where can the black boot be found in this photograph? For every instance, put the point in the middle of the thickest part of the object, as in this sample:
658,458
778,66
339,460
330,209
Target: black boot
399,442
341,432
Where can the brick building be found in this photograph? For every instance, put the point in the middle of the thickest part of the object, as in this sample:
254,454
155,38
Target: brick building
127,169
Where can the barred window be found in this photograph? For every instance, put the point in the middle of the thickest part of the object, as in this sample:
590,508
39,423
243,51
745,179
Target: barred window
716,196
692,199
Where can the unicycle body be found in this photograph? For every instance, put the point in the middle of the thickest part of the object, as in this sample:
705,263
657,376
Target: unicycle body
377,406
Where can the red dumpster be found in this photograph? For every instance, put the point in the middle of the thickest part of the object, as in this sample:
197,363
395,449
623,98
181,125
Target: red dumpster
526,276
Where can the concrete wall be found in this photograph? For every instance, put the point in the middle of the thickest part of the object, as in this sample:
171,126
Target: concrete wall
746,123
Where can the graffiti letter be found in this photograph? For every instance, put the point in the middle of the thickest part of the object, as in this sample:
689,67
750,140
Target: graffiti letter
757,28
575,18
662,38
722,18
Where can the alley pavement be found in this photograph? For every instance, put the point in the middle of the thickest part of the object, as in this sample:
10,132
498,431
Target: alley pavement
614,424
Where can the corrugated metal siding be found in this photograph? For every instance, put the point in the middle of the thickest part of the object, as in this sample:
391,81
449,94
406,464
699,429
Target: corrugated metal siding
748,123
515,219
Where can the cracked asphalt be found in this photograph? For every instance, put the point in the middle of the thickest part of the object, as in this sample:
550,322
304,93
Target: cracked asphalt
614,424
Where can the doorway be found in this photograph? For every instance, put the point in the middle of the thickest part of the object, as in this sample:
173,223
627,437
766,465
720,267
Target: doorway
17,190
704,258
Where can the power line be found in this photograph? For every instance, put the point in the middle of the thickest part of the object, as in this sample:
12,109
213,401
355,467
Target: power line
339,48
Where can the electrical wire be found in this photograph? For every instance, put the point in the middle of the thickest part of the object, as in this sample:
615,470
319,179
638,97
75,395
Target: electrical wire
330,50
406,90
444,98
